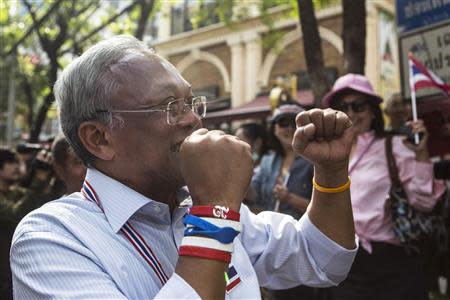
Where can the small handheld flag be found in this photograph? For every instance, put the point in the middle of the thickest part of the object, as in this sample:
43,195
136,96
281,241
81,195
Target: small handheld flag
420,77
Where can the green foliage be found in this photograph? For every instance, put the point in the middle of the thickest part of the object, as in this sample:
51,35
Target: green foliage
66,32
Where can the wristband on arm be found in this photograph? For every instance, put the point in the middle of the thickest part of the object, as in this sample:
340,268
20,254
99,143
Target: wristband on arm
328,190
210,231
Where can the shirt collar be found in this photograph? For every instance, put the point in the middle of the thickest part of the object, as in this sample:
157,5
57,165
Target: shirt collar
119,202
366,137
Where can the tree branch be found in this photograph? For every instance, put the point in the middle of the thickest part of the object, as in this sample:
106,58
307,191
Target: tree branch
43,39
146,9
312,46
100,27
35,25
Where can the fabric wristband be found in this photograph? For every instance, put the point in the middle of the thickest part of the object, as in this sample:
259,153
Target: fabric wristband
205,253
335,190
224,235
217,211
222,223
204,242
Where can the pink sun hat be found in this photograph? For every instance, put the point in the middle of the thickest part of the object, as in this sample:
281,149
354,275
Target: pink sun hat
355,82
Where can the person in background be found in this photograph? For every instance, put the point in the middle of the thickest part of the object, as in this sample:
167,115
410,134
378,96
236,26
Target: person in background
15,202
382,268
26,154
399,112
256,136
68,168
283,182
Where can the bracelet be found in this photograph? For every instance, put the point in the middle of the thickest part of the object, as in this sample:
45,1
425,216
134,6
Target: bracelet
205,253
223,235
335,190
219,212
201,227
206,243
222,223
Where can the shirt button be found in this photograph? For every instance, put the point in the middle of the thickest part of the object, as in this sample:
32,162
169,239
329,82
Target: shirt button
157,208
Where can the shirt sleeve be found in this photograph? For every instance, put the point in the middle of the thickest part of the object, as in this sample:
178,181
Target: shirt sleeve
177,288
46,265
286,253
417,177
49,266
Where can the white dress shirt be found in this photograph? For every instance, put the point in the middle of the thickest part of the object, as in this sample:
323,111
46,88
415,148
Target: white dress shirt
72,249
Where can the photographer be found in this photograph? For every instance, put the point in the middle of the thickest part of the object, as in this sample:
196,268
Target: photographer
26,154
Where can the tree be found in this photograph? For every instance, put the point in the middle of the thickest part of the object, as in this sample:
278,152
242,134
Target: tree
354,36
313,50
146,7
56,32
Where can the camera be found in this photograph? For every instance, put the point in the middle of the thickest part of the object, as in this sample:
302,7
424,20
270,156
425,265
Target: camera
28,152
28,148
406,131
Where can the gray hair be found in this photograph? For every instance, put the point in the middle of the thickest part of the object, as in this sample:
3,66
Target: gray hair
87,85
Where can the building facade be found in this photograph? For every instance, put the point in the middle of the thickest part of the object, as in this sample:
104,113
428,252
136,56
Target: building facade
234,64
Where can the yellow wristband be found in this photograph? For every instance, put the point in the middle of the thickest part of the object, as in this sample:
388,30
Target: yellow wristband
335,190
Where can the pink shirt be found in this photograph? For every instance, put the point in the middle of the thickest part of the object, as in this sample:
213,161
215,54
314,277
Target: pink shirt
371,184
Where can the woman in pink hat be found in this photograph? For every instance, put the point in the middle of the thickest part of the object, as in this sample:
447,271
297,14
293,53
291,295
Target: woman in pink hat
382,268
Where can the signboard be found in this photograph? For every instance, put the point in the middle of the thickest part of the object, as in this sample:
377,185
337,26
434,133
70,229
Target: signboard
415,14
431,47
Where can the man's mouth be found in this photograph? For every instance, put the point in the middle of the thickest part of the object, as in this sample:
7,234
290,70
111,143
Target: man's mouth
176,147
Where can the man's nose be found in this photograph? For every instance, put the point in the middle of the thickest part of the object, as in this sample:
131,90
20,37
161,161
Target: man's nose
190,118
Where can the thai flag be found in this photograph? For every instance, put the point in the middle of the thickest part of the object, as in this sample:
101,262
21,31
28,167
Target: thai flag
421,77
232,278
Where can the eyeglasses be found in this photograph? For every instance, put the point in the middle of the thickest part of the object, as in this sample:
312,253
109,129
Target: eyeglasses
175,109
357,106
286,122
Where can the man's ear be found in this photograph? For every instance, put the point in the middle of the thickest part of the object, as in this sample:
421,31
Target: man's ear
97,139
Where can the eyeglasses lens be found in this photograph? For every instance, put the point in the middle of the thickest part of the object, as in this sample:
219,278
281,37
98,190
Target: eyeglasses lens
177,109
357,106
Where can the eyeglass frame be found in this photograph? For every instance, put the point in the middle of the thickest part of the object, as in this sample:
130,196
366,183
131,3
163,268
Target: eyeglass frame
167,109
364,103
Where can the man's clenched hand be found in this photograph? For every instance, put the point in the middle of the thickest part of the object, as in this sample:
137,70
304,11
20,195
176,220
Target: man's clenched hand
216,167
324,137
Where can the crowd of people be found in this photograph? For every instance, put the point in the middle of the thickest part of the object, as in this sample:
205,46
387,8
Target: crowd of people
146,170
30,176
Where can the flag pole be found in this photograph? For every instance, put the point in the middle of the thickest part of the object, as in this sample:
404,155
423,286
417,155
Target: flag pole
413,96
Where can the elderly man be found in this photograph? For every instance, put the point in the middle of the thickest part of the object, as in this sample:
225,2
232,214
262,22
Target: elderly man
134,121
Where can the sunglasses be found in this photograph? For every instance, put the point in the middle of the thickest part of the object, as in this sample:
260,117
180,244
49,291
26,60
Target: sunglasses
286,122
357,106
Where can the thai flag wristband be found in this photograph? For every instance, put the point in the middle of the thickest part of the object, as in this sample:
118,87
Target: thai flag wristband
210,231
221,223
219,212
201,227
205,253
